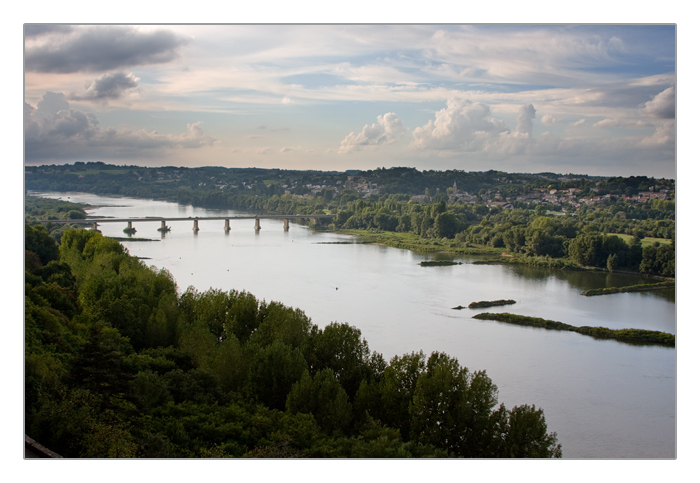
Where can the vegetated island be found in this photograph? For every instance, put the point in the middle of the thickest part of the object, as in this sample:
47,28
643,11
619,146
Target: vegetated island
132,239
492,303
438,263
630,336
630,288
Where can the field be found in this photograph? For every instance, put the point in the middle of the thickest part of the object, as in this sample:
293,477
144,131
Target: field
645,241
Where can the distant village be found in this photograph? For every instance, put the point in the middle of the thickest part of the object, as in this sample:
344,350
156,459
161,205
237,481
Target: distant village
571,197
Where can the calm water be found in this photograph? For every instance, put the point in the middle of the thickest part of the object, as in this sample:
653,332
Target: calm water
605,399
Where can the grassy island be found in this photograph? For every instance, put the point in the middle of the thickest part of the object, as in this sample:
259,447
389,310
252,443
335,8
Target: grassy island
631,336
631,288
492,303
438,263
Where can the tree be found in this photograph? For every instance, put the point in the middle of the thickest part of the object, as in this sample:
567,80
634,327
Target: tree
342,349
273,371
323,397
99,365
397,388
526,435
446,225
438,410
38,241
454,410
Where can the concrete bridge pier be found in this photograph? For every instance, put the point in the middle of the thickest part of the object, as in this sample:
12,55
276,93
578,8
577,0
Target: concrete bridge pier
227,225
94,226
195,228
163,226
257,225
128,225
286,225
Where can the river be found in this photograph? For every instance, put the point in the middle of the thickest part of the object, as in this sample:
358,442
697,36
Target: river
605,399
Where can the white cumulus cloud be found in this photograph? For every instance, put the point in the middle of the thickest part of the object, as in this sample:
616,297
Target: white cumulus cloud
459,125
549,120
387,130
466,126
663,105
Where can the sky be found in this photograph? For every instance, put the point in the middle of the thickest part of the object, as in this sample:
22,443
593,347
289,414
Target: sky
585,99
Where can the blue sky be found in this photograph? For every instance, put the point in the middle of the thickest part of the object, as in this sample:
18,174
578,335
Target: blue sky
594,99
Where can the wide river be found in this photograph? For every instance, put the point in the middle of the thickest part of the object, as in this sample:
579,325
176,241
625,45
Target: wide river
605,399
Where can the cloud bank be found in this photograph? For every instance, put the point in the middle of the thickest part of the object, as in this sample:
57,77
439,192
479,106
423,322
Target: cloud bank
54,130
96,49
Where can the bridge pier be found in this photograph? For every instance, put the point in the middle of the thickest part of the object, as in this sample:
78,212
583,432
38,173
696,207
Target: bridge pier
163,227
286,225
257,225
227,225
195,228
94,226
129,230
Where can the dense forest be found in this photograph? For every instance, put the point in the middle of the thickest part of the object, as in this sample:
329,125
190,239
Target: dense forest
614,233
120,363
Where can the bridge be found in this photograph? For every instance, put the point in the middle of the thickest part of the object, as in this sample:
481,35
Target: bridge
195,220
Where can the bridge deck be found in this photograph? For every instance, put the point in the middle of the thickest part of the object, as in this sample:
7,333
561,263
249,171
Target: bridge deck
190,218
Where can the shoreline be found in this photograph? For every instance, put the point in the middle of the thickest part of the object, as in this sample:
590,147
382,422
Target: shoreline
415,243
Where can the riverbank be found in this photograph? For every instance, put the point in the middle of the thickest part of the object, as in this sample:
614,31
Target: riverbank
630,336
416,243
487,255
630,288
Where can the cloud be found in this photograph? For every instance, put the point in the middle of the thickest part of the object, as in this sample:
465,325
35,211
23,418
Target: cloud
461,125
553,56
387,130
607,123
51,103
54,130
525,117
663,105
98,49
549,120
34,31
664,135
109,86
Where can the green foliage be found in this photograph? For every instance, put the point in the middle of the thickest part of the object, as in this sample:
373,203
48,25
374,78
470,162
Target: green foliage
274,369
37,241
341,348
117,364
323,397
526,435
